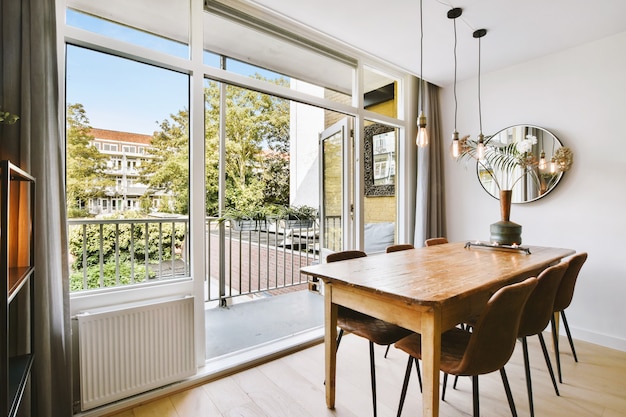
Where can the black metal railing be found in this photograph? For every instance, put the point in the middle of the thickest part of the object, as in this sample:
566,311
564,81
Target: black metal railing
241,259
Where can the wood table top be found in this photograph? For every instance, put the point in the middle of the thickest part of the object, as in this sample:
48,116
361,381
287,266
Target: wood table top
437,274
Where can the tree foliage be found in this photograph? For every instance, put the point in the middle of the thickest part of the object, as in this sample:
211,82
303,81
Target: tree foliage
257,148
167,170
85,164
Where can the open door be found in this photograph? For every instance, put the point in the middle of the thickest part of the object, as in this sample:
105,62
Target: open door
335,187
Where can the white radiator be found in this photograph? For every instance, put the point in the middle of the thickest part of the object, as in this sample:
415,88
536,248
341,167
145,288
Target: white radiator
134,349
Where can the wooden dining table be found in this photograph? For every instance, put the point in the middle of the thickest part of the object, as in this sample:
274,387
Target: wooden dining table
427,290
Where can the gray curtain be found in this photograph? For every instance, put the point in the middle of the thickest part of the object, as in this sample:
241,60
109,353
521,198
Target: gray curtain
430,195
29,88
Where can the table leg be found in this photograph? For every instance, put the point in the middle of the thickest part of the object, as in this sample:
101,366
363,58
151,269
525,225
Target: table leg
330,344
431,355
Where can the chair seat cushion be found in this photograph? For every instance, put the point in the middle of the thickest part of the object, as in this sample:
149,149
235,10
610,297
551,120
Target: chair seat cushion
371,328
453,342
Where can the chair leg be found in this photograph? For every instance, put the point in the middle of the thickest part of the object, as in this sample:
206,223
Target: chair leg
417,371
443,389
529,385
555,343
476,403
569,336
405,384
507,389
548,363
456,379
387,351
373,376
339,338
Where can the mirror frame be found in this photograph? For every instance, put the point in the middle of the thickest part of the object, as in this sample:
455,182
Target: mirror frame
536,151
372,190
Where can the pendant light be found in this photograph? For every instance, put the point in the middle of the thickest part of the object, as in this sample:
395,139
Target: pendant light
480,147
422,133
456,146
542,161
553,167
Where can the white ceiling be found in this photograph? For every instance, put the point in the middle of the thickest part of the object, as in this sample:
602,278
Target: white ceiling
517,30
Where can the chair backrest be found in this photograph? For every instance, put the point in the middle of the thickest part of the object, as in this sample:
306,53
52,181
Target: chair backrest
346,254
492,341
566,290
435,241
398,247
539,307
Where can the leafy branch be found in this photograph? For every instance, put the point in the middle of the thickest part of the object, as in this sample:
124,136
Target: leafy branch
8,118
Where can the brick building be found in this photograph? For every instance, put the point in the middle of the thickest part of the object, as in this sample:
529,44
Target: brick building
126,152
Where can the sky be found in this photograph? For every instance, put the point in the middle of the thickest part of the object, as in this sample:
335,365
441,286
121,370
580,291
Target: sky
124,95
120,94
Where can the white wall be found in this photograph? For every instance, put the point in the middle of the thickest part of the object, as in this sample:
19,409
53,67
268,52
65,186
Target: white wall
579,95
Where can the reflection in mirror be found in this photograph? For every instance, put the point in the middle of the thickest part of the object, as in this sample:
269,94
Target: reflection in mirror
528,160
380,160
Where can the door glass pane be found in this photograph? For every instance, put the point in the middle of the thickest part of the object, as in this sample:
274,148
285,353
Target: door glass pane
332,154
379,201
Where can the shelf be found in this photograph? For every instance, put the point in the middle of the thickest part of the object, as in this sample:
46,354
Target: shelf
18,276
17,240
19,371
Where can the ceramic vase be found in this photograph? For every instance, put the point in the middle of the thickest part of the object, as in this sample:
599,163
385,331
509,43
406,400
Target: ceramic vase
506,232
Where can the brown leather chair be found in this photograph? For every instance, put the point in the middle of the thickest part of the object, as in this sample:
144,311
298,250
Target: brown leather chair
536,317
484,350
373,329
398,247
435,241
563,299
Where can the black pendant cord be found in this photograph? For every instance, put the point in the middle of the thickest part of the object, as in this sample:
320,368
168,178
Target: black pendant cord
480,117
455,66
421,58
479,34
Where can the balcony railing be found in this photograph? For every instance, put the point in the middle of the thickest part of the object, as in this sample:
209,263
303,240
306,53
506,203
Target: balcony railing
258,256
108,253
242,259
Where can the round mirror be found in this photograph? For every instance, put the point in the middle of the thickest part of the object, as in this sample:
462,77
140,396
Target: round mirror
522,158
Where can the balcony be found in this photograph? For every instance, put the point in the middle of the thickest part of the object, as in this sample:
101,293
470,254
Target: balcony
254,292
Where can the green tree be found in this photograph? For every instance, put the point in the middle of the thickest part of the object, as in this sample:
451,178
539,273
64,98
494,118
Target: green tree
85,165
167,171
257,149
257,146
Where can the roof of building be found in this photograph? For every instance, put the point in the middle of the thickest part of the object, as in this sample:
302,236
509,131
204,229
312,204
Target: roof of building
115,136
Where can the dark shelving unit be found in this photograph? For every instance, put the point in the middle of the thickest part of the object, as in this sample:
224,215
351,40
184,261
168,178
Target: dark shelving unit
17,203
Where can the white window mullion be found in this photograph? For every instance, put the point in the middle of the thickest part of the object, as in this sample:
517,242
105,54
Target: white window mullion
197,176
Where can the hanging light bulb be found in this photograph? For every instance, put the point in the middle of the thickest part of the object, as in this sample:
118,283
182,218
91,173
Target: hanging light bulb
553,166
422,133
542,161
456,146
480,147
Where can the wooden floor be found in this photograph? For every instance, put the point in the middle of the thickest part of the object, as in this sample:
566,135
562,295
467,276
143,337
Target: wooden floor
293,387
